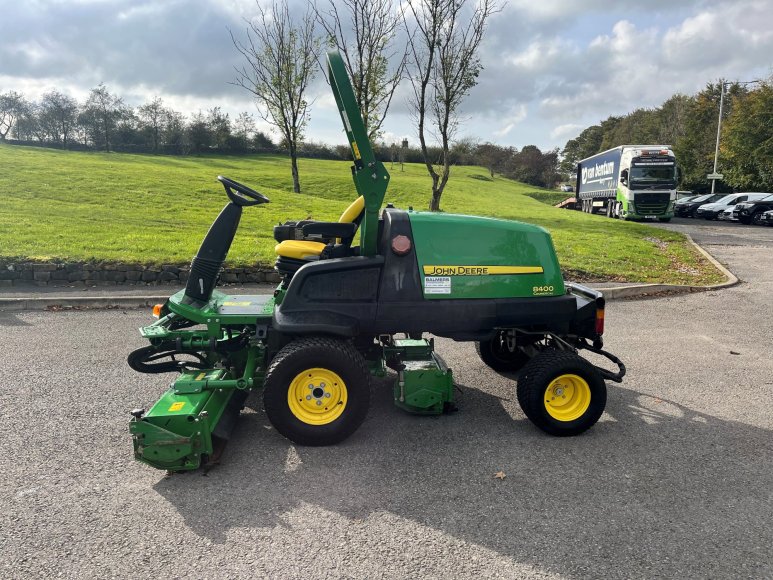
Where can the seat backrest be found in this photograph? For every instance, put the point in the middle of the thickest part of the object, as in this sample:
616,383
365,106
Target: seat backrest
352,215
352,212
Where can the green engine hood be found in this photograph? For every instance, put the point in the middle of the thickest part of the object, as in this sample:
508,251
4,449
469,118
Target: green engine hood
464,256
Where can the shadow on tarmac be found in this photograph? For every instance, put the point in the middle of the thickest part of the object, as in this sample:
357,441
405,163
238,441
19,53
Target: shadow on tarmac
653,489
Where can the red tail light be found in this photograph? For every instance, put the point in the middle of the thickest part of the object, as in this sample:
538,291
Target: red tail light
599,321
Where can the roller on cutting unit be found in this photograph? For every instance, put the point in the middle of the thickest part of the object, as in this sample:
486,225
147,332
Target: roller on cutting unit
359,298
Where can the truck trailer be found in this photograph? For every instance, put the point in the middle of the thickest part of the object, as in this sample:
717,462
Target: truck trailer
632,182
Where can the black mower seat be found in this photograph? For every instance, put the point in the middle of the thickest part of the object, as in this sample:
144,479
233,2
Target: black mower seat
306,250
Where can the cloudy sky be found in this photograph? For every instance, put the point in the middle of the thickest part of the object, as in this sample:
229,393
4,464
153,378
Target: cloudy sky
552,67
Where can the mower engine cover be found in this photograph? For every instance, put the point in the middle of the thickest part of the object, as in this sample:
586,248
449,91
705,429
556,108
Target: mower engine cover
461,256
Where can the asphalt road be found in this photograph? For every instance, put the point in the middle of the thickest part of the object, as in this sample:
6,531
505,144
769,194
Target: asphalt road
675,481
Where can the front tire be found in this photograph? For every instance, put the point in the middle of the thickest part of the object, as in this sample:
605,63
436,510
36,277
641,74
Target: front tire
317,391
561,393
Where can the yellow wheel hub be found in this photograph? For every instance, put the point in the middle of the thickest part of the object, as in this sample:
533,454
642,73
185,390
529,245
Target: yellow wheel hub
567,397
317,396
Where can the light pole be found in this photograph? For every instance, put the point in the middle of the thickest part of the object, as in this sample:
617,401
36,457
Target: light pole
722,85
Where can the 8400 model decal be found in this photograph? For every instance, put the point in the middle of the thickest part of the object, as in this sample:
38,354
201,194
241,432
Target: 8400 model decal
480,270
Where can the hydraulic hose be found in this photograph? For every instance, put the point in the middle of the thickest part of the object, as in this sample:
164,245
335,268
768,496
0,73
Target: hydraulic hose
146,359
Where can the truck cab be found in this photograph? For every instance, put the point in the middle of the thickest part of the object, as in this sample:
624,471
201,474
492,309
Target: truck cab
647,184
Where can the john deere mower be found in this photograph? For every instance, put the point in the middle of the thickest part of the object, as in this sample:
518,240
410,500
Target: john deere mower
345,312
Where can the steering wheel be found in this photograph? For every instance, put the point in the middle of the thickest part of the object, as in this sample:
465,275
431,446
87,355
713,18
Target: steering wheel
240,194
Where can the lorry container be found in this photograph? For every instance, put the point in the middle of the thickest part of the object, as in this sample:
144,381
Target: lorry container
632,182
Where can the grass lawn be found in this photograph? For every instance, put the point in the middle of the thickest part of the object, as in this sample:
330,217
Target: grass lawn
60,205
549,196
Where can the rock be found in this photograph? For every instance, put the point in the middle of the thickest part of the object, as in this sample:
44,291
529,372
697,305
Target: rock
167,276
76,276
59,274
115,276
10,275
44,267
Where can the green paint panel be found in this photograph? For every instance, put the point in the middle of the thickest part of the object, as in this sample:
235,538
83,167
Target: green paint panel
425,386
478,242
223,309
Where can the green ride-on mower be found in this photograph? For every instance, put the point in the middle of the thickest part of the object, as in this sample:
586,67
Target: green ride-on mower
343,313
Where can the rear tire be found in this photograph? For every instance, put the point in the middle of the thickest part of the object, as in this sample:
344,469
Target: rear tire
495,354
317,391
756,218
561,393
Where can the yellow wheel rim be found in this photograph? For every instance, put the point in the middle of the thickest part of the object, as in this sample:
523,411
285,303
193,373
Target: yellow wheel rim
317,396
567,397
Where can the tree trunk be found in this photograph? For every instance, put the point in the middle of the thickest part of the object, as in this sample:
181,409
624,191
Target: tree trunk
434,202
294,167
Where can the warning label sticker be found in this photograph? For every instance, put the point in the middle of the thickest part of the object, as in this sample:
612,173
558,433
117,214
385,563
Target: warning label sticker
437,284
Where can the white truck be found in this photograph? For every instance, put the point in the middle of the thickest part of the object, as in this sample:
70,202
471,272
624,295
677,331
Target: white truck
632,182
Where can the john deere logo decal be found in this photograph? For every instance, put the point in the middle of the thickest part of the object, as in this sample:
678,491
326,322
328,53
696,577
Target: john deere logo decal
480,270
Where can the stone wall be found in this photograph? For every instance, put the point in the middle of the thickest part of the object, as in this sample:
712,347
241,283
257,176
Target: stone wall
109,274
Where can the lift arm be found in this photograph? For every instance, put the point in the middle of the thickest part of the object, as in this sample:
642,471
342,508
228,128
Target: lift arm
370,176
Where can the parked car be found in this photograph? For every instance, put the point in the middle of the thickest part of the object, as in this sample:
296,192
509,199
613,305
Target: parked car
710,211
684,200
726,215
767,218
750,212
687,209
567,188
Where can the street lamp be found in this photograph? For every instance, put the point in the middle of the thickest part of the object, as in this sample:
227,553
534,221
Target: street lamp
714,175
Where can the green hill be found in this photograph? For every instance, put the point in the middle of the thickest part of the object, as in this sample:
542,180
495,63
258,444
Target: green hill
60,205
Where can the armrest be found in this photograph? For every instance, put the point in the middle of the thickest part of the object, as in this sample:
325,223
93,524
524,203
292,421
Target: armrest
331,229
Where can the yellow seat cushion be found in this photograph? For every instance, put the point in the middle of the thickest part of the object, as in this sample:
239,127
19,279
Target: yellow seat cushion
298,249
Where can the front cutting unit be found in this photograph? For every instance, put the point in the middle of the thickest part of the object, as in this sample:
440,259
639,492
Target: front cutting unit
361,297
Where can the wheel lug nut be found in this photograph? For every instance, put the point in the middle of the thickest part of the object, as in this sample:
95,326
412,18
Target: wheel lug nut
308,397
319,403
327,395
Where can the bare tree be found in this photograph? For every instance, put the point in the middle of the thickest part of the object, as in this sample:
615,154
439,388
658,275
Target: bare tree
281,63
12,106
443,68
153,116
368,45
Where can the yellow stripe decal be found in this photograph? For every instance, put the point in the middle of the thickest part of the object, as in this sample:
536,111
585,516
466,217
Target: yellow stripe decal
480,270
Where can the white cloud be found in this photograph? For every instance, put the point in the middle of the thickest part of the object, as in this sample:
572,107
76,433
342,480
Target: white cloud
565,132
508,123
